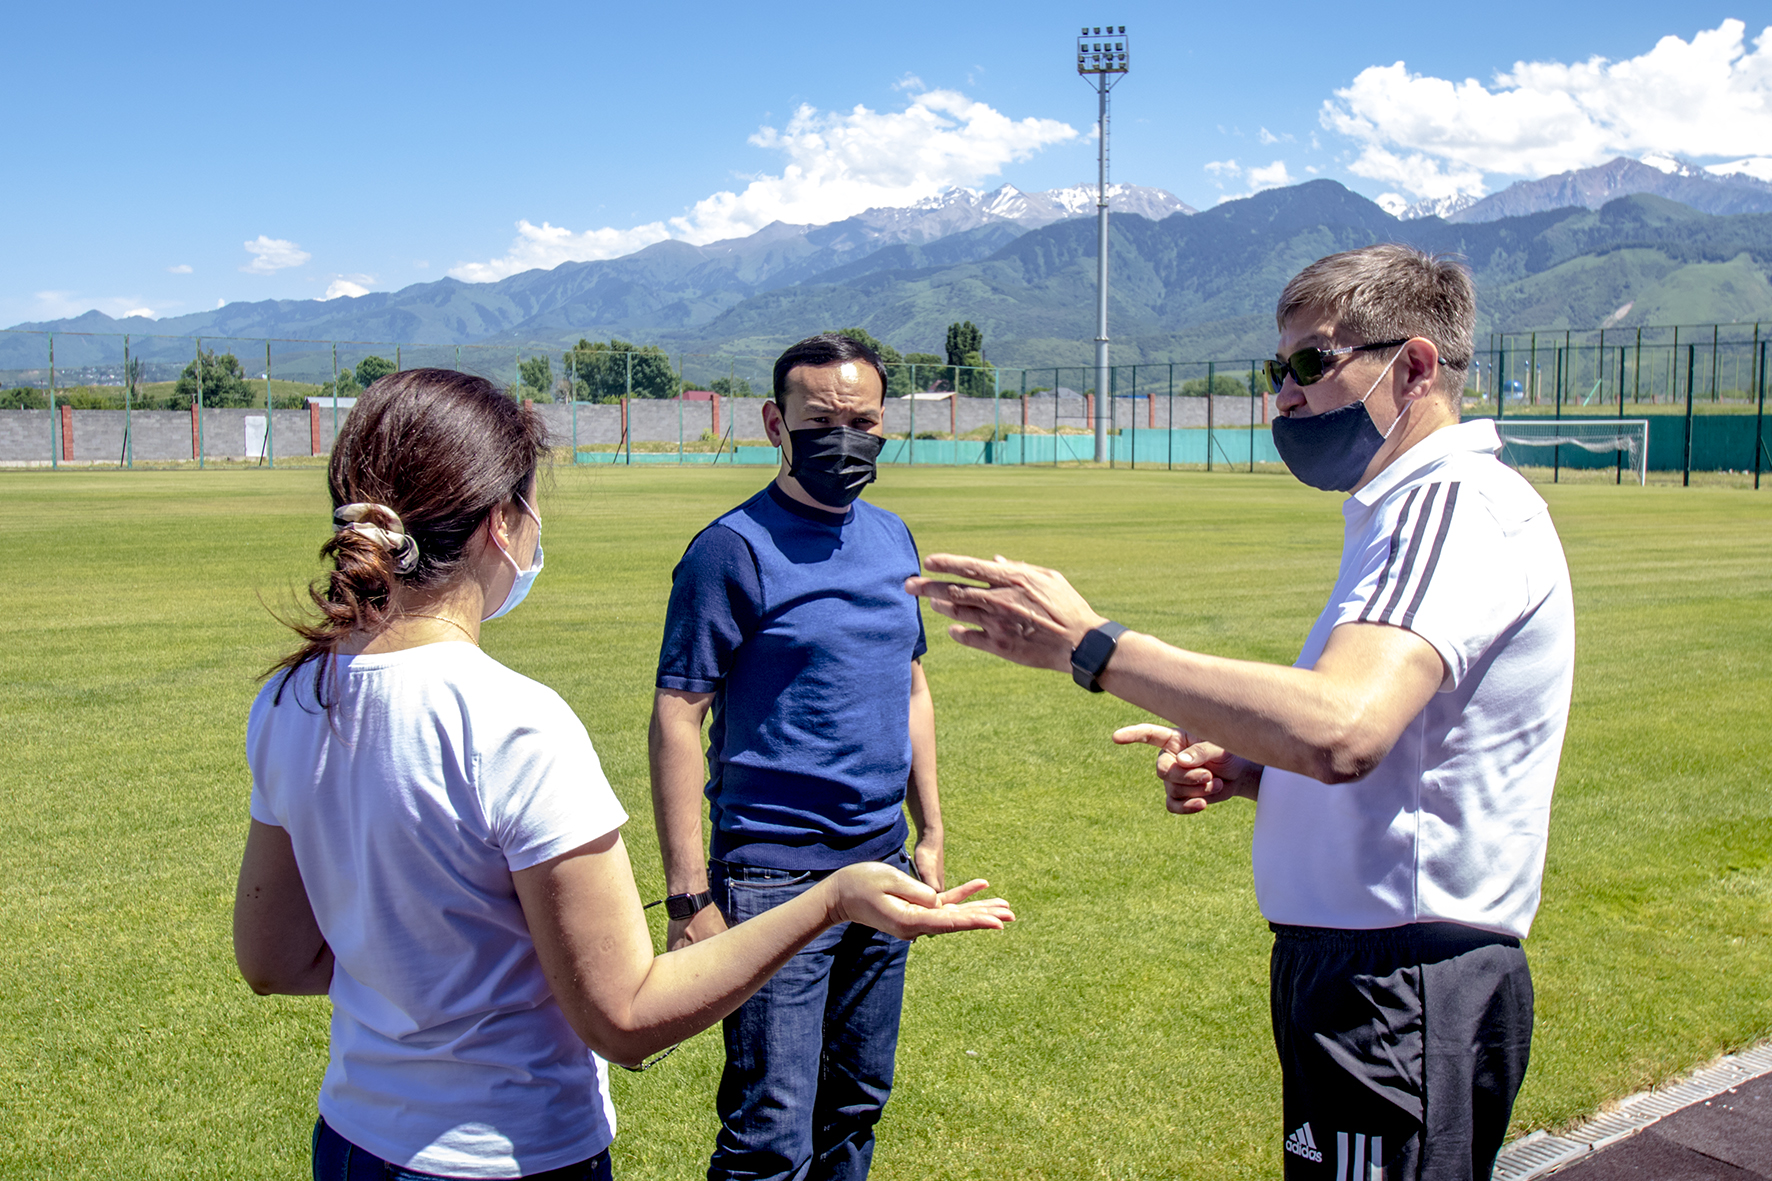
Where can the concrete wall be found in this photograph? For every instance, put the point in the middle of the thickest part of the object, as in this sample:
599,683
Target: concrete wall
162,435
657,421
158,435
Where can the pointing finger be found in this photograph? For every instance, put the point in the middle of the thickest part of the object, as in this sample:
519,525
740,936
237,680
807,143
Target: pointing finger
1154,735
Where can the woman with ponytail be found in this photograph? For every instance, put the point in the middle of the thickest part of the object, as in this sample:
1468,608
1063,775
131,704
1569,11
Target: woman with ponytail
433,843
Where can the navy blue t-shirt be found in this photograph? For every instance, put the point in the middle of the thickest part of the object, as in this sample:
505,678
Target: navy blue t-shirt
797,621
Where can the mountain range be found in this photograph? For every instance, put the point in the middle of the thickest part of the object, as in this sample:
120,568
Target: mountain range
1185,285
1661,176
667,288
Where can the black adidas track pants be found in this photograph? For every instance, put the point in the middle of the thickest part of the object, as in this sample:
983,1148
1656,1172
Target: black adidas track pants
1401,1049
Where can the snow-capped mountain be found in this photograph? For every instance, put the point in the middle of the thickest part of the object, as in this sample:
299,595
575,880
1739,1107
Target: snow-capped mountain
1663,176
959,209
1431,207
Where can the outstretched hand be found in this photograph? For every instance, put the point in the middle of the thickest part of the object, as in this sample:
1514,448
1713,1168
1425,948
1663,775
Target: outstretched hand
878,896
1024,613
1195,775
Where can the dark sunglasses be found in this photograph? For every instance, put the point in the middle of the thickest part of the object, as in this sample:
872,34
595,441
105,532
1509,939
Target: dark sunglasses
1308,366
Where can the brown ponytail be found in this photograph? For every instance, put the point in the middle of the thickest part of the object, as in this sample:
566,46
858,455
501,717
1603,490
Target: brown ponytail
431,452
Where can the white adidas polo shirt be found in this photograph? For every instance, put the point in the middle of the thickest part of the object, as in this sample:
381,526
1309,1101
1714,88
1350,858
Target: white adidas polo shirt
1455,546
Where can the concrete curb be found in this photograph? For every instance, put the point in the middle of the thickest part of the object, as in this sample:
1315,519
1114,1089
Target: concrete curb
1541,1153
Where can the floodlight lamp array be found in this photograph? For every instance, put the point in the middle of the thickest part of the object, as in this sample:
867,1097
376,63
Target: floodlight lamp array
1103,50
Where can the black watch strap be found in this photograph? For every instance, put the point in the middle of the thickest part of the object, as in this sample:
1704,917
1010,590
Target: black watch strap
687,906
1091,656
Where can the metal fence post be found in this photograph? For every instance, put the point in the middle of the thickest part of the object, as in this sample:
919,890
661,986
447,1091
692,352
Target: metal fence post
1760,417
1620,478
1252,418
1691,370
1211,380
1557,451
201,447
270,414
55,451
1501,382
1172,416
996,415
128,407
627,420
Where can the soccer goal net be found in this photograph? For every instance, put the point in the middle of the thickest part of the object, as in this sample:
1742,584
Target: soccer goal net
1593,442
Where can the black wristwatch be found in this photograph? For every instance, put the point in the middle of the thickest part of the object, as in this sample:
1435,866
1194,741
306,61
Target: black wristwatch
1090,657
687,906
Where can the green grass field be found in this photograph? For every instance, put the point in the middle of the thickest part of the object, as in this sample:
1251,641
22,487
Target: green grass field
1119,1029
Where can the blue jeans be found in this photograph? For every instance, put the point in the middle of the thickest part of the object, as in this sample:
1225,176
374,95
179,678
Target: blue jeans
337,1159
809,1057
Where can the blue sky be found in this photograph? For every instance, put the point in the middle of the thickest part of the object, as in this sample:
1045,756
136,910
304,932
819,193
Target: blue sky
166,158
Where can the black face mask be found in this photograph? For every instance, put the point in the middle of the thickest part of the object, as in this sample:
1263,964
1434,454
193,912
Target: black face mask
1329,451
834,463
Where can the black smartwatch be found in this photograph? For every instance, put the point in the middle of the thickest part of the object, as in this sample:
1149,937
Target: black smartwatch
687,906
1091,656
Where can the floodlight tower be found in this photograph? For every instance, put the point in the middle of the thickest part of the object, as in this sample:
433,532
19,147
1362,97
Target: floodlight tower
1102,56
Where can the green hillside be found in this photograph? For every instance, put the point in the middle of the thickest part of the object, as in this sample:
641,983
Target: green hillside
1183,289
1204,286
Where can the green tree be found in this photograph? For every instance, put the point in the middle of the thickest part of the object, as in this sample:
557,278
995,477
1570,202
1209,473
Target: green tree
898,374
965,347
1224,385
346,386
224,382
537,375
598,370
24,398
370,369
729,387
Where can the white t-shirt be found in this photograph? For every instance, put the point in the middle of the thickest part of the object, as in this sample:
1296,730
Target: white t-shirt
438,773
1451,826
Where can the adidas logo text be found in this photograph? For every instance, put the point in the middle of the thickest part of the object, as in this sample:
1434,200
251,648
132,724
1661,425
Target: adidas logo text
1302,1143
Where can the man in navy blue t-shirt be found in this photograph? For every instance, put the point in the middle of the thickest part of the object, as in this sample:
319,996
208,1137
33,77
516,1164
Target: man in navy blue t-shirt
789,620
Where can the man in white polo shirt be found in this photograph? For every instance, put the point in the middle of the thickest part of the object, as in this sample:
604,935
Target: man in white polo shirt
1402,768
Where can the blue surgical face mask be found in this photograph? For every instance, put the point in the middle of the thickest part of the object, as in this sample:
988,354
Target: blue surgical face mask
525,578
1332,450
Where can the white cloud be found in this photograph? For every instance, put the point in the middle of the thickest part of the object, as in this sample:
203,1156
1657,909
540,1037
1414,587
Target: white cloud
1268,137
348,285
838,164
1435,138
221,303
1266,176
61,305
273,254
183,268
1271,177
1760,168
547,246
1224,168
